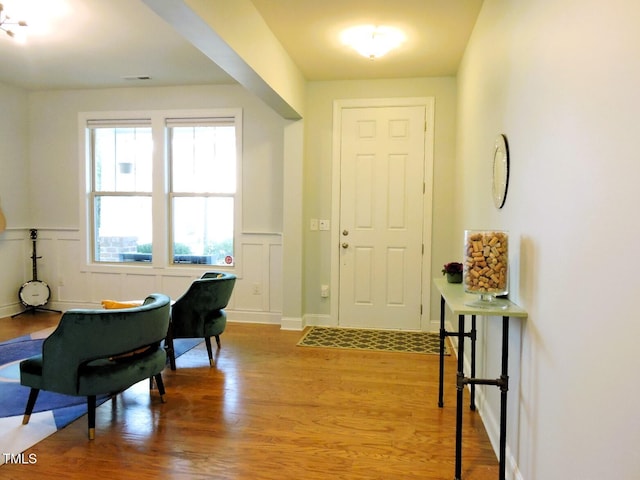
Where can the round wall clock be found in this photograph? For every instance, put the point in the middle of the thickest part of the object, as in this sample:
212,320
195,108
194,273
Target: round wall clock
500,171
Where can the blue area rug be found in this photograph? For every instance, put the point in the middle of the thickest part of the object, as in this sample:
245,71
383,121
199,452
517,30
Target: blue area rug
65,408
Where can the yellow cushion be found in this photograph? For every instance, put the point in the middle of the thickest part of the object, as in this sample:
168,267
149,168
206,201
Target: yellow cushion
116,304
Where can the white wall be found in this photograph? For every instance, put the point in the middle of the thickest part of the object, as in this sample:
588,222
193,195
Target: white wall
45,144
15,198
14,137
53,126
560,79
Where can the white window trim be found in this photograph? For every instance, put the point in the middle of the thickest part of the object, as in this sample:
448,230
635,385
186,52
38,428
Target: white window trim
160,193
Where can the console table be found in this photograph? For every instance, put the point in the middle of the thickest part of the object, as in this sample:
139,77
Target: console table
462,304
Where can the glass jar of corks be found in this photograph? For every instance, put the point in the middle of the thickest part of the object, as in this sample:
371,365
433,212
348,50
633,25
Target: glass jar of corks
486,263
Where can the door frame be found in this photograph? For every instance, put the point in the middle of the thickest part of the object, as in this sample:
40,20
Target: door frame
427,221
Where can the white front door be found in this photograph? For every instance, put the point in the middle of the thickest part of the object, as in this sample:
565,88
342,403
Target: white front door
382,161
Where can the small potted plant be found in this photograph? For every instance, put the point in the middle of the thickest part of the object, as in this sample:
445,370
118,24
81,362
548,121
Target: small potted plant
453,271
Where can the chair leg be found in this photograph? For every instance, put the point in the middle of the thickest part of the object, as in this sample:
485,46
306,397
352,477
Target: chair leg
91,416
207,341
31,402
218,340
160,385
171,353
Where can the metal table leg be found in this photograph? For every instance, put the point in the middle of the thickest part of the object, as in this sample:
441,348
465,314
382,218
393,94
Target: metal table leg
459,397
442,337
472,335
443,334
504,388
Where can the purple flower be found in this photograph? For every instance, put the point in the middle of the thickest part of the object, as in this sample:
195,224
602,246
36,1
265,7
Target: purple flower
452,268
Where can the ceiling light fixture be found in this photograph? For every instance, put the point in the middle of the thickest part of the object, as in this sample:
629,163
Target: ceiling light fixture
372,41
6,23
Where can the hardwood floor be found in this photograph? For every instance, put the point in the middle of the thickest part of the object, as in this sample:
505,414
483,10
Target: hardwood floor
269,410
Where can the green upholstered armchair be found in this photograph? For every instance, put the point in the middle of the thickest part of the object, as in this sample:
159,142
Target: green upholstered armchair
199,312
95,352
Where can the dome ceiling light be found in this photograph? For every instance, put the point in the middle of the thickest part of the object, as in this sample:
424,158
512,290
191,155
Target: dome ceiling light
372,41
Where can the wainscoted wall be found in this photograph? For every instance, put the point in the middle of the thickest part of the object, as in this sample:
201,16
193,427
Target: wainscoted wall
257,296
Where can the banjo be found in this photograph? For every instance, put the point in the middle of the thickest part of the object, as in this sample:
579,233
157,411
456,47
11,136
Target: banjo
35,293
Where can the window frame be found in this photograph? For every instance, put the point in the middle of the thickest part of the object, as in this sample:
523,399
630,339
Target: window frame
94,191
174,193
161,194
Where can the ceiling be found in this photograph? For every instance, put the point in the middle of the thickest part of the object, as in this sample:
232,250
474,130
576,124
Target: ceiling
437,34
100,43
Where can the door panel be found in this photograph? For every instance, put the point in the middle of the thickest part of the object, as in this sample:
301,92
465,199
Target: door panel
381,216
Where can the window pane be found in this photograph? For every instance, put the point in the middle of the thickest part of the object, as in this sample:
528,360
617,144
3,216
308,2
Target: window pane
203,159
203,230
122,229
123,159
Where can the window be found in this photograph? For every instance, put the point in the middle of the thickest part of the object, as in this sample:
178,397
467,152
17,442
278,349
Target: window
203,186
121,184
174,206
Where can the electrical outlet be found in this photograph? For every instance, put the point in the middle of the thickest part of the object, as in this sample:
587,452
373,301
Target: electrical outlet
324,291
324,224
313,224
257,289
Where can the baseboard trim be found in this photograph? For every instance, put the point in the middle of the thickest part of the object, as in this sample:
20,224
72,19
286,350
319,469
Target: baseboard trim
292,323
317,320
245,316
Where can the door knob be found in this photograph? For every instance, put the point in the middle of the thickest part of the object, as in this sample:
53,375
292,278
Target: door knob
345,232
345,245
